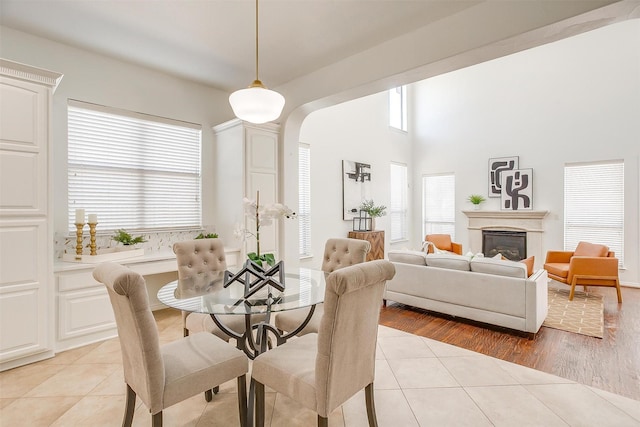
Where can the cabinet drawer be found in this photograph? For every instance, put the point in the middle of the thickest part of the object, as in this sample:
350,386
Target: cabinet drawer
70,282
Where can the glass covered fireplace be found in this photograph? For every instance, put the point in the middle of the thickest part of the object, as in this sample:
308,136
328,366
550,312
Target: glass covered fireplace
511,244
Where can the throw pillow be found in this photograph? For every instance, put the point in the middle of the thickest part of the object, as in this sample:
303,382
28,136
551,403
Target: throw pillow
529,263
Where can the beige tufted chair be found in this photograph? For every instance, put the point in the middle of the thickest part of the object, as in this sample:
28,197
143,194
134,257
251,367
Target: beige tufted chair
338,253
322,371
165,375
203,256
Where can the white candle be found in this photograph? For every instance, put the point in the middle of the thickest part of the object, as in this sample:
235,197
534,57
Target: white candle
79,216
93,218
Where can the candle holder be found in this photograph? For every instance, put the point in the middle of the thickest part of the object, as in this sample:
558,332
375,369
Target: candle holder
79,228
92,233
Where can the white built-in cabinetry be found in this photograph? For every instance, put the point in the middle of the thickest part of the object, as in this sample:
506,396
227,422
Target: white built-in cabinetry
246,162
26,236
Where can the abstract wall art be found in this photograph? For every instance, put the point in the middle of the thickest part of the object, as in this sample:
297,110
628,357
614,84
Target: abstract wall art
517,189
496,167
356,187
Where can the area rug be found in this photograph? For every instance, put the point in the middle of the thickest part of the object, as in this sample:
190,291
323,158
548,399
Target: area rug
584,315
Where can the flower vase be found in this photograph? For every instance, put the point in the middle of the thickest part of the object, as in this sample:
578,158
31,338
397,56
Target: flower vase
373,224
476,207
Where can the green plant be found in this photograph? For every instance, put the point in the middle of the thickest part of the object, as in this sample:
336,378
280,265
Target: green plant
207,236
127,239
476,199
268,258
372,210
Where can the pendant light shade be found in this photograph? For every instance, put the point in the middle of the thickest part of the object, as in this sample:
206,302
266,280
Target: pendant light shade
256,104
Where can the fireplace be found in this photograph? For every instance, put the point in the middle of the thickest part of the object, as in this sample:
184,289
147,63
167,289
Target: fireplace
511,244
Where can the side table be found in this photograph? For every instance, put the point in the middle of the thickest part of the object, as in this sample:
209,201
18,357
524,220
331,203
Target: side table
376,238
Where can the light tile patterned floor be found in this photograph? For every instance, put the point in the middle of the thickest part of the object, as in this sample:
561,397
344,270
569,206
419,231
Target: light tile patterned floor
419,382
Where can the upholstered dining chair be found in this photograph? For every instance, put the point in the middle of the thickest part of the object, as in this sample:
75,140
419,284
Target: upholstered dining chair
322,371
338,253
200,256
165,375
442,242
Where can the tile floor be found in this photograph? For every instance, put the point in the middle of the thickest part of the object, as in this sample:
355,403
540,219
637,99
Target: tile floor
419,382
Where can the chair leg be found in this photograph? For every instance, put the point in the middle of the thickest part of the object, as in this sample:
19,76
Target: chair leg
208,395
572,292
156,420
618,291
259,403
242,400
130,406
323,421
371,407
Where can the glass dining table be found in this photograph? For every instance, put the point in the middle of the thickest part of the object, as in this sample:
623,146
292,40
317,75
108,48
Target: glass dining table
206,293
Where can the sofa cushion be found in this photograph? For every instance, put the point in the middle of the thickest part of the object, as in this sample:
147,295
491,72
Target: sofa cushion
529,263
559,269
590,249
408,257
498,267
450,261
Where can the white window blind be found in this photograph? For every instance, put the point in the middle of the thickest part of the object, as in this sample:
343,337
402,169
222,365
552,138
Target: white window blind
438,204
594,205
304,197
134,171
398,207
398,108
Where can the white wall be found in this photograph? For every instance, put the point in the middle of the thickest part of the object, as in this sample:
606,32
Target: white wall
575,100
357,131
103,80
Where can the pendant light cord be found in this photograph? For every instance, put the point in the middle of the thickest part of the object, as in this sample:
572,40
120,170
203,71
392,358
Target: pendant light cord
257,79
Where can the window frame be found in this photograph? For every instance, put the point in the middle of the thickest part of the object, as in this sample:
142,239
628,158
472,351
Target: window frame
446,226
137,182
586,181
304,203
398,106
399,189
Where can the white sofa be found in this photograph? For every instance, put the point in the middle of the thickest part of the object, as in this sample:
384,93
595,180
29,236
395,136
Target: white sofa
482,289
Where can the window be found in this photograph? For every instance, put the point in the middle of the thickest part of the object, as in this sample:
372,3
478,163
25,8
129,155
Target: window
438,205
594,205
134,171
304,204
398,108
398,208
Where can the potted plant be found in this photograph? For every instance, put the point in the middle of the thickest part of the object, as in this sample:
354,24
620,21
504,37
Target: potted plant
127,239
373,211
207,236
476,199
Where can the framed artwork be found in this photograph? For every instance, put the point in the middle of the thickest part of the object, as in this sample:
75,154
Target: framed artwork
517,190
356,187
496,167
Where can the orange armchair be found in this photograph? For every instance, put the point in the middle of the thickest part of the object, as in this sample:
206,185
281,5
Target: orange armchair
588,265
443,242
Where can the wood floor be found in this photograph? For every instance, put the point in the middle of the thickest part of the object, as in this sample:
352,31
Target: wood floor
611,363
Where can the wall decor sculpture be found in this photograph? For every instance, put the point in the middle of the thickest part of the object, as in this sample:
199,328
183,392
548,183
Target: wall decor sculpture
356,186
517,189
496,167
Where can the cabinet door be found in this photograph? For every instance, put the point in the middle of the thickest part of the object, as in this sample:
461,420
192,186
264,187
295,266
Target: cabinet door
24,292
23,148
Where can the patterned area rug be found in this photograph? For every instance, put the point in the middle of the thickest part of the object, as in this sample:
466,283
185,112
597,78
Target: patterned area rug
584,315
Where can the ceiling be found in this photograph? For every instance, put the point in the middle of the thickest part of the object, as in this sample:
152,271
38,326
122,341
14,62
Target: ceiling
320,43
213,41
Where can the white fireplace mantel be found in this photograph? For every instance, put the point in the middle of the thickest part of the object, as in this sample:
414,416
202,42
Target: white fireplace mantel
530,221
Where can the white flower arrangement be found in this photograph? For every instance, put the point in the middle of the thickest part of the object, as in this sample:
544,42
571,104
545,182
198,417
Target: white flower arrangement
262,215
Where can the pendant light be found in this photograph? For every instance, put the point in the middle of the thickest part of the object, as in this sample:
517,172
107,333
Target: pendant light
256,104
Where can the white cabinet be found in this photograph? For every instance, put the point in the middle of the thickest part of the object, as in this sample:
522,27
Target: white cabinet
246,162
26,237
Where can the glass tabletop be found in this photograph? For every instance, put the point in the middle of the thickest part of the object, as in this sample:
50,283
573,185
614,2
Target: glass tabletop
205,293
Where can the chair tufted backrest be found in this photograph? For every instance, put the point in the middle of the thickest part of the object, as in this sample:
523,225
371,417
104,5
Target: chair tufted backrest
199,256
344,252
142,360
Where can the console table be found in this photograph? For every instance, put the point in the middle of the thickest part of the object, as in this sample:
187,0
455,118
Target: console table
376,238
